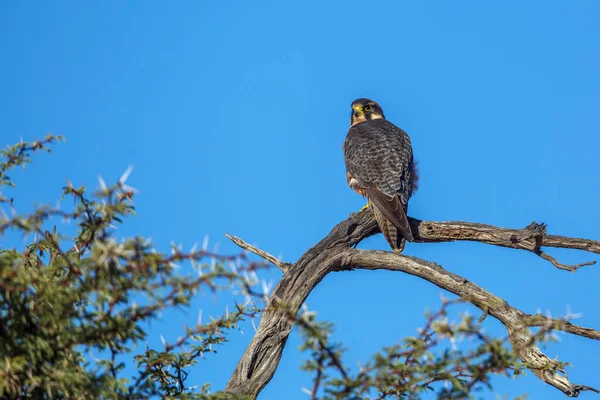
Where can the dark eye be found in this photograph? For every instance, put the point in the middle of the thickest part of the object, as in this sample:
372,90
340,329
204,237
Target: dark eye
368,107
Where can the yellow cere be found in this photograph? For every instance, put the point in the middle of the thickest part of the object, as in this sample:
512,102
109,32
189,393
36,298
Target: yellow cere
358,108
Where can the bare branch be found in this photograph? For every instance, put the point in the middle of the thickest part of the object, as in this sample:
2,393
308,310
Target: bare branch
334,253
517,322
531,238
561,325
571,268
282,265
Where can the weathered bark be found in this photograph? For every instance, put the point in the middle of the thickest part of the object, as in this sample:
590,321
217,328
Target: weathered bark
333,253
258,364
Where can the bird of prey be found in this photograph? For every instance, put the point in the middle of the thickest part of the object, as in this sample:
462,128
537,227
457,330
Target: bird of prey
380,165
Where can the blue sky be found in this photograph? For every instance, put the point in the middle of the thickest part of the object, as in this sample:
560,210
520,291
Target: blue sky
233,115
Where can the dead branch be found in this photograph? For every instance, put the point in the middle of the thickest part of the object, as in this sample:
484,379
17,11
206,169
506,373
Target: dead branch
282,265
516,322
531,238
335,253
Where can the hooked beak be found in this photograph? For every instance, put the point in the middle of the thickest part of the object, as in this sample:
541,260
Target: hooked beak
356,111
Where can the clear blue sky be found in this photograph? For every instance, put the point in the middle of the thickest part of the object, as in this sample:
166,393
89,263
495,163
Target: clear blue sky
233,115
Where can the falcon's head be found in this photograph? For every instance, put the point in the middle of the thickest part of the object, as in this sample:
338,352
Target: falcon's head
365,110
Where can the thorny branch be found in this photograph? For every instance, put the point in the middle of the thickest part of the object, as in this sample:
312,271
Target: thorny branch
315,390
336,253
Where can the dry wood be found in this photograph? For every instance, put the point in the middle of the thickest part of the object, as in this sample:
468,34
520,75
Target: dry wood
335,252
282,265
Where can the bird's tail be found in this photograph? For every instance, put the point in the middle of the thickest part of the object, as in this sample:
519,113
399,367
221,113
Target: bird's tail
391,234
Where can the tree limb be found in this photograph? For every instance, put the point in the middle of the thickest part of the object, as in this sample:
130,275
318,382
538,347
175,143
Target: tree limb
335,253
516,322
531,238
282,265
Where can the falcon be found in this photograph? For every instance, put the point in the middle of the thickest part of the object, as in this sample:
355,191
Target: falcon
380,165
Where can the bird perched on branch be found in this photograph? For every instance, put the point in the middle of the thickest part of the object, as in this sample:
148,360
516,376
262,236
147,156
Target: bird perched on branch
380,165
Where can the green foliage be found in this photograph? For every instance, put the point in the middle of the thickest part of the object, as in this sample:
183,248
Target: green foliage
429,362
68,316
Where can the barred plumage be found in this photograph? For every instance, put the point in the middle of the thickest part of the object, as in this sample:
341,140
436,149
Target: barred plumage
380,165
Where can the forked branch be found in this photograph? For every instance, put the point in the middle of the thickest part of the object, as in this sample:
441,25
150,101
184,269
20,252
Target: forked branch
334,253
